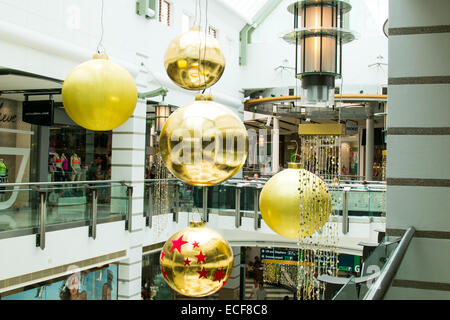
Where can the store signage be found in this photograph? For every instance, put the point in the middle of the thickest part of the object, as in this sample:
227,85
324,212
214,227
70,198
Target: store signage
38,112
347,262
279,254
6,116
351,127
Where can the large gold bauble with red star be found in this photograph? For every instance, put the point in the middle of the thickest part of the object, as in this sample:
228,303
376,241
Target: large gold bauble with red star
196,261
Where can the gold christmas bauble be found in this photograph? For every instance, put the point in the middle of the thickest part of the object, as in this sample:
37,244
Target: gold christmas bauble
295,203
194,60
99,94
196,261
203,143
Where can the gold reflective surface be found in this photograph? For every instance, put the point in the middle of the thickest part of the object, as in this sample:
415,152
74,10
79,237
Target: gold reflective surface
203,143
295,203
99,94
196,261
194,61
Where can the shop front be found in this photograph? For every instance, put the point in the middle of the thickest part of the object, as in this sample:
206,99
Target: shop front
92,284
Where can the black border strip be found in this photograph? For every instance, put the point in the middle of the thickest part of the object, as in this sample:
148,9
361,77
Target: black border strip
425,285
416,182
419,131
419,80
418,30
442,235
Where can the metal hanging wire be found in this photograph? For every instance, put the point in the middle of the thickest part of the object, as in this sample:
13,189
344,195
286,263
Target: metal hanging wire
100,47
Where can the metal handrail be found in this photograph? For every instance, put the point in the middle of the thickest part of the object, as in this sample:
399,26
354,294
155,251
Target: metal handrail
381,285
230,182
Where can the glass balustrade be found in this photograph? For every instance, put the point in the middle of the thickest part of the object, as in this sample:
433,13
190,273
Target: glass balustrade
361,201
20,205
357,288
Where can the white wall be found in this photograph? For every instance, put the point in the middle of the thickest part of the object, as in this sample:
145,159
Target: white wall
51,37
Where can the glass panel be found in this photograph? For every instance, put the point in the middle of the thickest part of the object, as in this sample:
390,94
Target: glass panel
67,203
314,14
77,154
19,208
348,291
313,48
375,264
112,200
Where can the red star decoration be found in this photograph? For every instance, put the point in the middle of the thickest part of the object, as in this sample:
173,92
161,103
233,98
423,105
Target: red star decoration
164,274
200,257
203,273
187,262
177,244
163,254
219,275
195,244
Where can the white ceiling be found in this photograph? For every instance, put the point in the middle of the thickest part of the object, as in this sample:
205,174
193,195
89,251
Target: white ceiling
22,81
247,8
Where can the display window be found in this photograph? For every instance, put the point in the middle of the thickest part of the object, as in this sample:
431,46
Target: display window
77,154
93,284
15,151
154,287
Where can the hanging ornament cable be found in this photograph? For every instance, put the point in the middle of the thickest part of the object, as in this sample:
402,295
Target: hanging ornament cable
100,47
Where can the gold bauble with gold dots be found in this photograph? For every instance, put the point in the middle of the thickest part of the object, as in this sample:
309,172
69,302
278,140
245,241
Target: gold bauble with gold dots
194,60
203,143
196,261
295,203
99,94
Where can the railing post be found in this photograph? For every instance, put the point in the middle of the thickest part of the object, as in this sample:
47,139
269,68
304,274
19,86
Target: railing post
205,204
149,214
93,222
237,217
40,237
128,222
256,220
345,220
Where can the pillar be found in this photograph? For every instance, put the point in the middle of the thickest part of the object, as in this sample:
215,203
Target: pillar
369,144
231,290
418,144
276,145
127,164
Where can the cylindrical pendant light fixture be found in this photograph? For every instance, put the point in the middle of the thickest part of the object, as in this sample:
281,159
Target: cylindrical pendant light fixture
318,37
162,113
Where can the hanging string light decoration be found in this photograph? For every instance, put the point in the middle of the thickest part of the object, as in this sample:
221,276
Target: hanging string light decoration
161,194
99,94
319,154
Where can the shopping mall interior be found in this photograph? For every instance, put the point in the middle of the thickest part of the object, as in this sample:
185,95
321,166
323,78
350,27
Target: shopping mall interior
224,150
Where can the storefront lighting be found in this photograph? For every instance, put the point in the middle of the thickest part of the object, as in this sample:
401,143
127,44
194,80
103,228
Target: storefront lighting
318,36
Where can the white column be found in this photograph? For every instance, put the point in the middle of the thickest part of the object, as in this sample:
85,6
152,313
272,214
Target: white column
231,289
418,144
127,164
275,145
